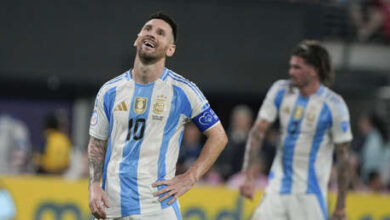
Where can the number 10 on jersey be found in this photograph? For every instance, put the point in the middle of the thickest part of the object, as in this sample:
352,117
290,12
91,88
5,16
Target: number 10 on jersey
137,129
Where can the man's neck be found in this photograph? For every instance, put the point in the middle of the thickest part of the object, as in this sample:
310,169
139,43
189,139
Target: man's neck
310,89
147,73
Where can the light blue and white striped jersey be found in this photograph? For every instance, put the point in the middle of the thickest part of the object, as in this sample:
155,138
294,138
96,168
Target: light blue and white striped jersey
144,127
310,126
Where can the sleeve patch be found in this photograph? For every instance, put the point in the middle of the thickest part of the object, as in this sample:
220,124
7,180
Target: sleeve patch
344,125
94,118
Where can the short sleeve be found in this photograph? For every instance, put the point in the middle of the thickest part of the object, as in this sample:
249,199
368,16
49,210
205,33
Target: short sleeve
99,124
341,127
271,104
202,114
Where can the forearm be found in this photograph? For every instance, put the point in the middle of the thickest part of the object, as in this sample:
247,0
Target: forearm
252,149
342,174
253,146
214,145
96,156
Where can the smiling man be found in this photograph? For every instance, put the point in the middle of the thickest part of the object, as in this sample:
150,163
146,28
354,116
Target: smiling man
314,121
136,129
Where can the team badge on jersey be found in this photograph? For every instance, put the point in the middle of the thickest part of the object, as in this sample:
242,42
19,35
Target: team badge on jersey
298,113
286,109
311,116
140,105
159,106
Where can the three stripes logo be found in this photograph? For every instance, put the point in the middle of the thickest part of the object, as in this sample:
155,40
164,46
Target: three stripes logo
121,107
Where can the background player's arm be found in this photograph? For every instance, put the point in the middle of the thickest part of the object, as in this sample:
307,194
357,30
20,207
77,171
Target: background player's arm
342,152
96,155
253,146
215,143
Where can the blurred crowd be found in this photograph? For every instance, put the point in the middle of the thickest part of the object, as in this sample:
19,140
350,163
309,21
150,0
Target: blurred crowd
369,153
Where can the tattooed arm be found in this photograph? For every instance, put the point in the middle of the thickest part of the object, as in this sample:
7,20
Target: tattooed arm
253,146
97,198
342,153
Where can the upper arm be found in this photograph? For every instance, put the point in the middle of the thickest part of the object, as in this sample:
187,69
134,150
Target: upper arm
272,102
99,123
217,131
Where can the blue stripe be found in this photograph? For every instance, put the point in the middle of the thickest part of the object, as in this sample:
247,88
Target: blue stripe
179,105
293,131
128,75
108,102
177,210
324,122
109,99
128,168
278,98
188,83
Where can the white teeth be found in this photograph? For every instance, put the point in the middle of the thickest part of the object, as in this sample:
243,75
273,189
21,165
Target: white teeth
148,43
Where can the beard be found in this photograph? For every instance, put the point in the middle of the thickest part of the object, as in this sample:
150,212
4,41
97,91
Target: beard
149,57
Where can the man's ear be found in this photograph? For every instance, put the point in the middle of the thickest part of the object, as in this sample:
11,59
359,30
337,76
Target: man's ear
135,42
171,50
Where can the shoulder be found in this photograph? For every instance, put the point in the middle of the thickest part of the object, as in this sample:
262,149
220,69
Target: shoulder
334,101
115,82
184,84
281,84
178,80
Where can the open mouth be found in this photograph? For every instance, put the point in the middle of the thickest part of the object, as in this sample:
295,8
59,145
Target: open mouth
150,44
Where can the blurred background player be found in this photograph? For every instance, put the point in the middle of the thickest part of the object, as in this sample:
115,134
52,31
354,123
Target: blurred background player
136,130
313,121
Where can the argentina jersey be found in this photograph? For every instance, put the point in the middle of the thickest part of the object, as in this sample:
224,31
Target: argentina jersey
310,126
143,124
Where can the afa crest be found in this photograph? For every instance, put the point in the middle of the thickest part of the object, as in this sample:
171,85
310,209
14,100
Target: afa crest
298,113
159,106
140,105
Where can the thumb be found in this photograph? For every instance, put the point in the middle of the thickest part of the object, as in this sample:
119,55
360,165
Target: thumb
105,200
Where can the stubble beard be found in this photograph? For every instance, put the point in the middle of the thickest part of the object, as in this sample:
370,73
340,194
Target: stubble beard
146,58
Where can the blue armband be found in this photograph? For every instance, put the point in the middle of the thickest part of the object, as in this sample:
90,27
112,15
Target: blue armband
206,119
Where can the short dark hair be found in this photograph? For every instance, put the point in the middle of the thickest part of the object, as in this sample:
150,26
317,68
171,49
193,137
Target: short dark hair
168,19
316,55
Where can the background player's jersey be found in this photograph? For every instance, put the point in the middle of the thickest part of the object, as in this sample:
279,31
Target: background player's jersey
310,126
144,127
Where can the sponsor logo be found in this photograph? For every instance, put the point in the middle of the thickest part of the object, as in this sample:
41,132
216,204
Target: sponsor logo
121,107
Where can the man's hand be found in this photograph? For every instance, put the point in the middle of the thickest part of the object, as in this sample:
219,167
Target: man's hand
97,201
175,187
247,189
339,215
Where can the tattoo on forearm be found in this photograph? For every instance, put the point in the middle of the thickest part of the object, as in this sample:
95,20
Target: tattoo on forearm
342,173
252,149
96,156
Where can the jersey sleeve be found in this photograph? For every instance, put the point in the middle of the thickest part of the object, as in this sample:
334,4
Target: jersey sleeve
99,124
271,104
341,127
202,114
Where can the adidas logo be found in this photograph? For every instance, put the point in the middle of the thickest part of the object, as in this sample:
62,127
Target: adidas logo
121,107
